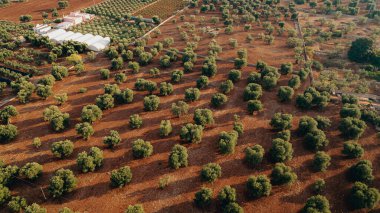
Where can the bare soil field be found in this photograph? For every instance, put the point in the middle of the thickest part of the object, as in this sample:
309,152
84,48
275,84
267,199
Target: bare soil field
94,193
35,8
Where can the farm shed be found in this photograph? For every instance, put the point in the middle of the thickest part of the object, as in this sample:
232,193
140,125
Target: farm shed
64,25
41,28
73,19
84,16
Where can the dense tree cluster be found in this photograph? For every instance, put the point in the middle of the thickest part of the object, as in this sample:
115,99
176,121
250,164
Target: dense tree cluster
312,98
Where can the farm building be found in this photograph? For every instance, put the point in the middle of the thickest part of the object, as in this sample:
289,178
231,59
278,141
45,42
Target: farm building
41,28
73,19
64,25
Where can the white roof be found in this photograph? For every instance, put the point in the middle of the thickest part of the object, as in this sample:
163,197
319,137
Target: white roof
64,24
56,33
84,38
62,37
99,45
93,40
73,37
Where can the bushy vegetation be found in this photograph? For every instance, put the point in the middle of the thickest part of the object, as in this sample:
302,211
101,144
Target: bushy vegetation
361,171
178,157
88,162
62,182
282,174
141,148
317,203
120,177
254,155
203,198
210,172
258,186
363,196
191,133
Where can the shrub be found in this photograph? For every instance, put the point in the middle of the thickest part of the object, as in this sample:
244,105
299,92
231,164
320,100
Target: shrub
233,207
163,182
88,162
135,209
191,133
316,140
254,77
319,185
7,113
84,129
352,128
234,75
8,174
44,91
202,82
258,186
166,89
178,157
226,86
111,89
349,99
112,140
209,67
203,117
306,125
17,204
151,102
203,198
59,72
140,84
227,142
192,94
312,98
135,121
361,171
317,203
141,149
284,135
254,105
61,98
252,92
281,150
180,108
323,122
352,149
286,68
117,63
5,194
105,101
285,93
36,142
321,161
361,50
362,196
281,121
120,78
104,74
34,208
48,80
62,182
350,110
125,96
91,113
254,155
165,128
295,82
227,195
120,177
31,171
61,149
176,76
218,99
7,133
282,174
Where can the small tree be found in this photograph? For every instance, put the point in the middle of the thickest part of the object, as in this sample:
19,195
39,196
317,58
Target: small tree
323,122
135,209
226,86
59,72
135,121
350,110
286,68
180,108
105,101
227,142
238,126
166,89
316,140
31,171
362,196
112,140
203,117
150,86
227,195
141,149
281,121
61,98
178,157
17,204
285,93
284,135
306,125
349,99
120,78
176,76
192,94
151,102
91,113
203,198
165,128
258,186
352,128
321,161
120,177
104,74
191,133
218,99
254,106
234,75
84,129
7,113
281,150
361,171
125,96
61,149
352,149
44,91
318,186
202,82
254,155
295,82
282,174
317,203
62,182
210,172
35,208
117,63
88,162
252,92
5,194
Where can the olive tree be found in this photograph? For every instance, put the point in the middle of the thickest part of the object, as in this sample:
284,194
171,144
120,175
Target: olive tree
105,101
281,121
317,203
112,140
252,92
285,93
135,121
363,196
361,171
91,113
281,150
7,133
84,129
191,133
138,208
254,155
5,194
203,198
165,128
88,162
352,149
192,94
7,113
282,174
202,82
180,108
31,170
210,172
166,89
203,117
352,128
321,161
17,204
227,142
120,177
178,157
316,140
151,102
61,149
218,99
258,186
254,106
141,148
62,182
